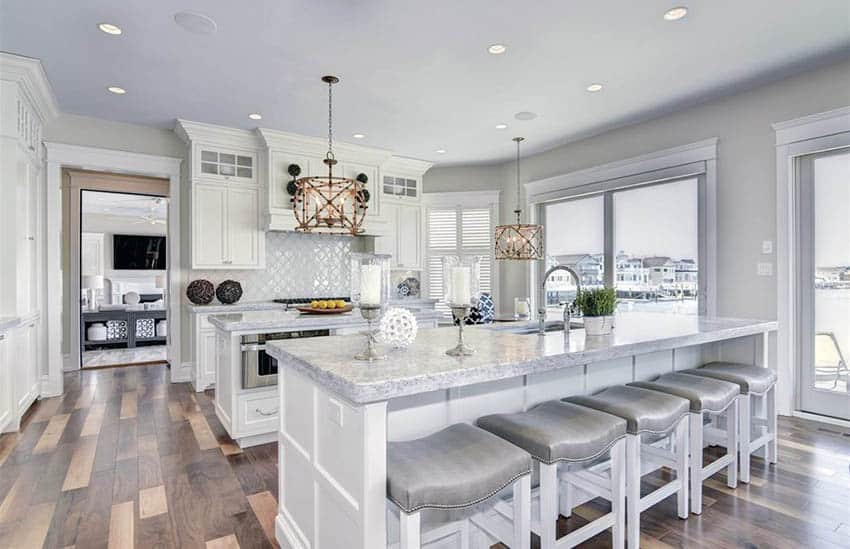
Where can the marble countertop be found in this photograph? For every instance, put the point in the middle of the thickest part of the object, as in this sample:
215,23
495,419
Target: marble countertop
501,354
260,321
241,306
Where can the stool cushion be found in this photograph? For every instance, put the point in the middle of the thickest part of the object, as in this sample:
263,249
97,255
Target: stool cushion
645,411
457,467
704,393
558,431
750,378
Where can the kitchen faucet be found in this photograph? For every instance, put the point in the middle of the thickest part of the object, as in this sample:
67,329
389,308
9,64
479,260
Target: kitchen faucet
541,308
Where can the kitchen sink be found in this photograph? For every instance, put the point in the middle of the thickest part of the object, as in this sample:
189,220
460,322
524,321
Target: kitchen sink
533,327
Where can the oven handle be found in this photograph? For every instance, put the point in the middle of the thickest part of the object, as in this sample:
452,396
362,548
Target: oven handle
253,347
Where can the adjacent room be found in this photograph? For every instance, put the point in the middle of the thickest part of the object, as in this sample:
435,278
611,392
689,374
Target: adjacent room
425,275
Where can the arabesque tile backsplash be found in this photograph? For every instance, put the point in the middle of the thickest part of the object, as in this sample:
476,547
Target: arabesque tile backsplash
297,265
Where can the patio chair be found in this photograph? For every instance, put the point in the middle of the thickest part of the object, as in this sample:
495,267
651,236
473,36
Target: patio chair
830,364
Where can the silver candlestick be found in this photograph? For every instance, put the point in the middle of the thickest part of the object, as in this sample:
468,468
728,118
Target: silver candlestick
370,353
459,312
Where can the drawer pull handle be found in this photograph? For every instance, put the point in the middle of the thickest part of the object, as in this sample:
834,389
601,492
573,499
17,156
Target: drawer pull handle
267,414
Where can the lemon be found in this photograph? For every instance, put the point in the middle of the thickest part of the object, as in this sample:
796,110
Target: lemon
331,305
314,304
322,304
340,304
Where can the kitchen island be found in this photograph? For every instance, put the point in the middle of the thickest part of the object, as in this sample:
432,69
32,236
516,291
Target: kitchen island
247,405
337,414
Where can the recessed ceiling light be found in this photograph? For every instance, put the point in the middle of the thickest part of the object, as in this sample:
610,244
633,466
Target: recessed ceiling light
117,90
501,126
674,14
358,136
255,116
525,115
497,49
109,28
197,23
440,151
594,87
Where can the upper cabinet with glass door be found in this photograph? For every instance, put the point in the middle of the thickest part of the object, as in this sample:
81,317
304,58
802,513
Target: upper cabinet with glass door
226,165
405,188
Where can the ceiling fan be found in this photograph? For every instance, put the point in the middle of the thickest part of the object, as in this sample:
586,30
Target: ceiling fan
150,217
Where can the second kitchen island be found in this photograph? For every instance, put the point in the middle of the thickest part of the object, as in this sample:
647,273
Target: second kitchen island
246,397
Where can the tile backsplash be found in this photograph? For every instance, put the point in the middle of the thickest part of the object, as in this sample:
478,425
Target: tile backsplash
297,265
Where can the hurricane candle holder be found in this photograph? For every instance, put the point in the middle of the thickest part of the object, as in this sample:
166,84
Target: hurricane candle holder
371,293
460,280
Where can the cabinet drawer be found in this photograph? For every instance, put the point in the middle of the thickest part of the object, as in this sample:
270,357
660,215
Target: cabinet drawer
260,409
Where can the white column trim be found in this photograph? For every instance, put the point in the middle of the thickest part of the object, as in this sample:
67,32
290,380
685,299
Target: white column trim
60,155
800,136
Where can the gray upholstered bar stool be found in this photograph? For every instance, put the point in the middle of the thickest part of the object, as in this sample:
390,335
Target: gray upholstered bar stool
652,413
458,467
574,437
758,387
707,397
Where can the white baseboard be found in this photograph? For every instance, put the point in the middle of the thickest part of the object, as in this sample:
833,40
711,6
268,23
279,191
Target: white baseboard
822,419
182,374
67,364
46,388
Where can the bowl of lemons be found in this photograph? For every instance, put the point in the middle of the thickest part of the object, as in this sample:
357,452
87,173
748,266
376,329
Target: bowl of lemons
325,307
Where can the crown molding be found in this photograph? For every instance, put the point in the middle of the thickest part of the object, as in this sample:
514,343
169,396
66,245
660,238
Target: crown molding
812,126
279,141
29,74
189,131
407,166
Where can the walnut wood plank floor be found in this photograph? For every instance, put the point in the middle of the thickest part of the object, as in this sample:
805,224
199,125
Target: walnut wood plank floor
126,459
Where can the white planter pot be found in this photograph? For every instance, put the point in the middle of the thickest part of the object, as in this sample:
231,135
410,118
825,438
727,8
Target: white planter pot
598,325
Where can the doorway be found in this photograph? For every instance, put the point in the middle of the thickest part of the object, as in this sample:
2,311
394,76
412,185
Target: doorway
118,269
823,198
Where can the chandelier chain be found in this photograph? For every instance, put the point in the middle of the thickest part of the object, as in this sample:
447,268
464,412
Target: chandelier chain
330,120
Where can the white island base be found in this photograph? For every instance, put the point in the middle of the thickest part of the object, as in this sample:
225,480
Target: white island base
338,414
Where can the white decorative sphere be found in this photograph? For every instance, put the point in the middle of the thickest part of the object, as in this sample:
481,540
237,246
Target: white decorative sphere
398,328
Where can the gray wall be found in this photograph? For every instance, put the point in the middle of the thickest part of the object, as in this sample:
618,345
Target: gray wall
746,174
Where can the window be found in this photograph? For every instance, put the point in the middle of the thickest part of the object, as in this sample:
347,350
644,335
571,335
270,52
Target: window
654,251
460,229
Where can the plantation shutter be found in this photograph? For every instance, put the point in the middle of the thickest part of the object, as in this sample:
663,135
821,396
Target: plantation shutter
462,232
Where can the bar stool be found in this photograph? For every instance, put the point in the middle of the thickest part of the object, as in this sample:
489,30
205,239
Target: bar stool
458,467
707,396
575,437
753,381
647,412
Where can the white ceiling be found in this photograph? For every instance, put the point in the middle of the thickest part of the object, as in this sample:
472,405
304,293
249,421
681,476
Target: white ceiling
138,207
416,75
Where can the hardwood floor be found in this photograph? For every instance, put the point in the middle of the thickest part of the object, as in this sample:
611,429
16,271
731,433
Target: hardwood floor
126,459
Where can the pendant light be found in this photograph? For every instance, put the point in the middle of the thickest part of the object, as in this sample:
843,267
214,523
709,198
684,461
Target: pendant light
519,241
330,203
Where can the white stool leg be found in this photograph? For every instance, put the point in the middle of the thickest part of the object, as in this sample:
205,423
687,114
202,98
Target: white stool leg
410,533
522,513
565,499
464,535
633,490
732,443
682,452
618,493
772,445
759,402
744,410
548,505
695,433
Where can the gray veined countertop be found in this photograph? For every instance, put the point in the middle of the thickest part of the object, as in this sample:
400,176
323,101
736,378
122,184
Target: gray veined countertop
293,320
501,354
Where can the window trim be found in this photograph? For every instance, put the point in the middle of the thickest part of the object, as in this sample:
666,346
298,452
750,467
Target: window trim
462,199
697,160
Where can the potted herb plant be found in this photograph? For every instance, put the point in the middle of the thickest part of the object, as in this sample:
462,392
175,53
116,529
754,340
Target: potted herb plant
597,306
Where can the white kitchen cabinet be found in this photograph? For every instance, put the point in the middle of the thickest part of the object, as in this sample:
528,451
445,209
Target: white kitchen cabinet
226,230
22,351
403,240
225,165
204,352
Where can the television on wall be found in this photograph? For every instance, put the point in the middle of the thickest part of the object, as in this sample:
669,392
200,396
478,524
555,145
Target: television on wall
138,252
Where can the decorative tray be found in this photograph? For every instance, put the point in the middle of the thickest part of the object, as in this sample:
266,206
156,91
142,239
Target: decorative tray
316,311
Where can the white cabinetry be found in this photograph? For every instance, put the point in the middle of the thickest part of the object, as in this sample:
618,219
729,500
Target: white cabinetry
225,227
403,239
22,357
6,408
204,350
226,197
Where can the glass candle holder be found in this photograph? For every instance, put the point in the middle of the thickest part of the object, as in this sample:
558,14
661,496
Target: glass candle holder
370,294
461,276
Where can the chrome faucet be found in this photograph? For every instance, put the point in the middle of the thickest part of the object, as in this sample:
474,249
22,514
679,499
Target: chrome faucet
568,308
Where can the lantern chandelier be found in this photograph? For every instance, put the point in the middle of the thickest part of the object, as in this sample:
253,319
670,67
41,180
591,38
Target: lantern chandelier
519,241
333,204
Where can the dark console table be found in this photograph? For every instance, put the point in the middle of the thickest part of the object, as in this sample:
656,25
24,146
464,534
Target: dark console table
130,317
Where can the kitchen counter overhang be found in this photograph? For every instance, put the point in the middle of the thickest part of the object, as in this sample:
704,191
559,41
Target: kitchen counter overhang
277,320
501,354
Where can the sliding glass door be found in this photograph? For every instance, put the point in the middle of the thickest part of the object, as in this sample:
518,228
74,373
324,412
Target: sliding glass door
824,248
